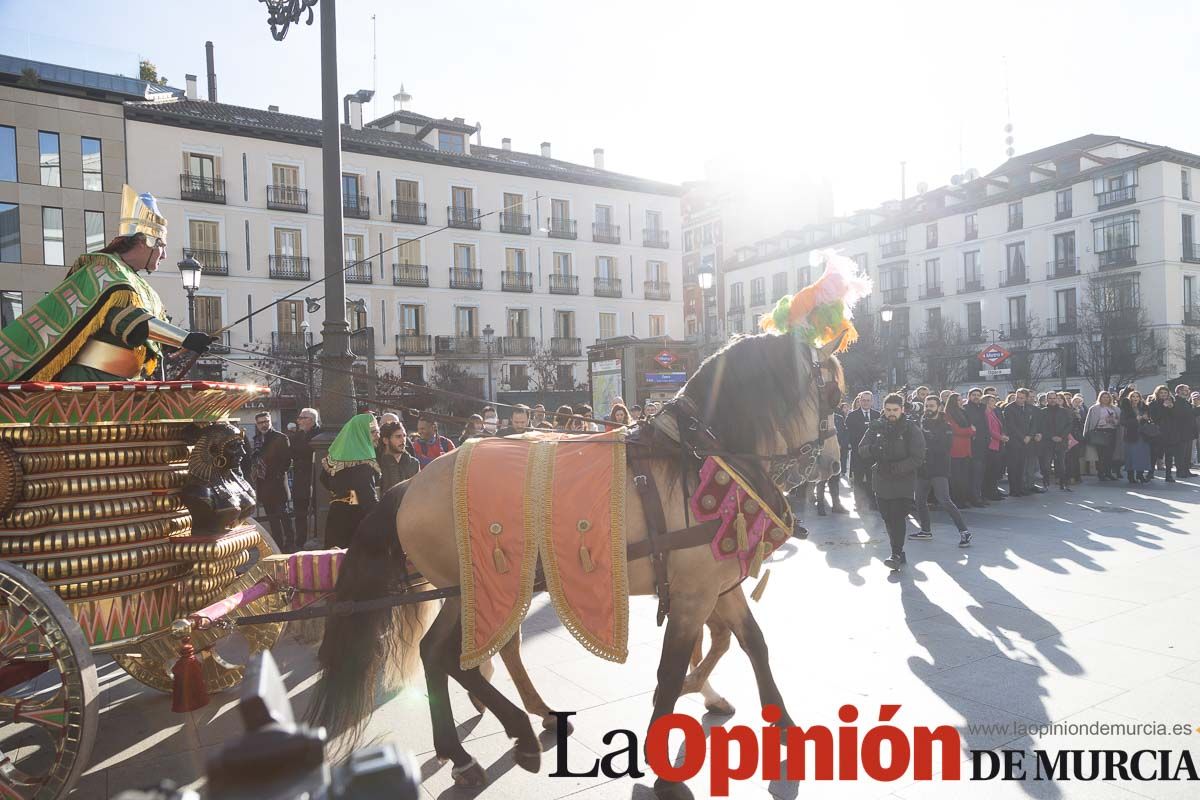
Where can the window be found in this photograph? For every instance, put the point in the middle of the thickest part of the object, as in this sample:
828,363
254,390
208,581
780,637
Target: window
1188,227
11,307
409,252
1016,216
736,299
52,236
564,324
353,249
707,233
972,272
466,321
8,153
564,376
518,377
654,223
1064,306
656,272
518,322
892,243
758,291
931,235
208,313
514,259
1015,261
462,197
289,315
356,314
1113,190
288,242
971,227
688,241
1062,204
1016,315
658,325
933,273
287,175
350,189
1064,253
204,235
93,231
202,167
412,320
604,215
1185,183
451,142
1113,234
933,320
464,256
861,260
562,263
779,285
893,281
803,276
560,209
975,320
48,159
608,325
10,233
606,267
93,180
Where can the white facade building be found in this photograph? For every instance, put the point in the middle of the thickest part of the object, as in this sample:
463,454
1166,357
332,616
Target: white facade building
578,254
1010,255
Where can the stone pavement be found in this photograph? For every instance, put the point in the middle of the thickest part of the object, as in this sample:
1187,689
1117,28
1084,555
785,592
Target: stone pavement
1073,607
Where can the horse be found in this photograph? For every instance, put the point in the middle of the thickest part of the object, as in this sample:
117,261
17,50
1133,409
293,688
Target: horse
766,398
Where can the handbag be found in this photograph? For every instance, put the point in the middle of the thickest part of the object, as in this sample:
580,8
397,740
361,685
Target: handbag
1102,438
1150,430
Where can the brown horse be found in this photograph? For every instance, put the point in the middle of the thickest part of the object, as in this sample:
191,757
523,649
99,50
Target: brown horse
764,396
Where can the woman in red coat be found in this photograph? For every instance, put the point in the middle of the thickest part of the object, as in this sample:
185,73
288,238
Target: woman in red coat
960,451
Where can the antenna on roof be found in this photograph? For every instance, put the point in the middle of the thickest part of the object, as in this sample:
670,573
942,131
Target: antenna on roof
374,65
1008,127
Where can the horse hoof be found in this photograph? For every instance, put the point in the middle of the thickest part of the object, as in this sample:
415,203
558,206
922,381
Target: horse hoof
669,790
550,723
475,701
469,776
720,706
530,761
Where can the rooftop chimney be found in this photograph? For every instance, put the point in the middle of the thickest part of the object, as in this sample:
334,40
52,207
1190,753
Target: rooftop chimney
192,92
273,108
506,143
598,155
212,74
356,113
545,149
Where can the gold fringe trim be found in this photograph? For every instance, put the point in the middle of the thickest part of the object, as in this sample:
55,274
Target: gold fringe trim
757,594
118,299
585,559
760,554
743,536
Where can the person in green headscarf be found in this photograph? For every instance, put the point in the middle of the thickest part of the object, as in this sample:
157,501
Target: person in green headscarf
351,474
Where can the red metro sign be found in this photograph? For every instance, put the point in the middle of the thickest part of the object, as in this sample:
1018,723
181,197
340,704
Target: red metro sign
994,355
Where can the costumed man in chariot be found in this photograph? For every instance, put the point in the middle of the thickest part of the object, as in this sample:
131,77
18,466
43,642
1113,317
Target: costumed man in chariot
104,322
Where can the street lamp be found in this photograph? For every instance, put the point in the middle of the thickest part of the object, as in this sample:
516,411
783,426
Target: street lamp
885,316
885,313
489,341
704,276
189,272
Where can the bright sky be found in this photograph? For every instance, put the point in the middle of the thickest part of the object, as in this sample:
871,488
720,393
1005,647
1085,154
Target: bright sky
848,89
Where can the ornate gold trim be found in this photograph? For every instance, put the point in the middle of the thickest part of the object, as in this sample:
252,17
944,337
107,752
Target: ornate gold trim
55,539
466,569
94,509
72,589
35,462
101,563
753,494
53,488
101,433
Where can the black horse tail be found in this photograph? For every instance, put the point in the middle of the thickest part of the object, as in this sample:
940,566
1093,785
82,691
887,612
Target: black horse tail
358,651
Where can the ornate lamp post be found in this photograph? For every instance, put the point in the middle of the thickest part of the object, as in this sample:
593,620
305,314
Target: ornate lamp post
189,272
704,276
885,316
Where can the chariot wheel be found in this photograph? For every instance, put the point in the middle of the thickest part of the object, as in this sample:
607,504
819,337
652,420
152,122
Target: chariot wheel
49,698
222,654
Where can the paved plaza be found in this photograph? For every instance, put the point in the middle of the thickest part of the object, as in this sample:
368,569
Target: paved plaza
1067,607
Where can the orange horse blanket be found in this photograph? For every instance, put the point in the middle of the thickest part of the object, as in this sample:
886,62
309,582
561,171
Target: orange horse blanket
551,496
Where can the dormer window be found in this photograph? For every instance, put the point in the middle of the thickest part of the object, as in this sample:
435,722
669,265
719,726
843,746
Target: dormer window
451,142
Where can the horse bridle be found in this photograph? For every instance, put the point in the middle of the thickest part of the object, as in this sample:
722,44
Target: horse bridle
806,456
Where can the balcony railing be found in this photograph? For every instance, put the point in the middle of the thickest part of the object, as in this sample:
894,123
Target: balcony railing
758,299
607,287
1063,212
1116,197
1062,268
565,346
516,281
1016,276
462,217
974,336
511,222
356,206
359,272
410,275
215,262
604,232
1117,257
1191,252
291,343
289,268
362,342
658,290
655,237
459,345
968,285
1067,326
931,290
1191,313
409,344
561,228
287,198
564,284
466,278
516,345
889,249
197,187
896,295
1009,332
409,212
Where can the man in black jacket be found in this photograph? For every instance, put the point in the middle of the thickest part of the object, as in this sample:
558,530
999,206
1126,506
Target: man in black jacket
1056,425
308,425
977,416
1019,426
271,458
896,447
860,467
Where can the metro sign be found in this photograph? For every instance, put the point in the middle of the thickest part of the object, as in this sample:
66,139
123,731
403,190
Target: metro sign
665,358
994,354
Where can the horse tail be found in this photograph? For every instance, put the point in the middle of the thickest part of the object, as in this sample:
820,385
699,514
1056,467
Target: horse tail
359,650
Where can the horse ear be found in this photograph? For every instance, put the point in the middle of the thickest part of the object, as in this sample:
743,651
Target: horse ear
829,348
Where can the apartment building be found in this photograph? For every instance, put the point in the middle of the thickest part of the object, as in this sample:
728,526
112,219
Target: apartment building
537,254
1011,257
62,165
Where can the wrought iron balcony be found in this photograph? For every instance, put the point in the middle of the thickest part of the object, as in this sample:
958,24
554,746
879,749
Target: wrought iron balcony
604,232
1066,326
1062,268
1191,313
362,342
291,343
564,284
565,346
356,206
889,249
412,344
656,237
287,198
607,287
1117,257
658,290
205,190
896,295
968,285
516,281
1191,252
410,275
931,290
462,217
1116,197
470,346
409,212
975,336
1063,212
359,272
466,278
758,299
511,222
1013,277
516,345
1009,332
561,228
215,262
289,268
